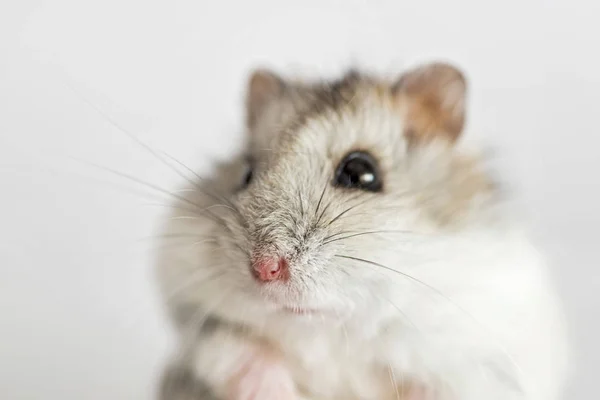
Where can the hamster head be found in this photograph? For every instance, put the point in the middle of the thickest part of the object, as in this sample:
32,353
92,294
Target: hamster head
341,185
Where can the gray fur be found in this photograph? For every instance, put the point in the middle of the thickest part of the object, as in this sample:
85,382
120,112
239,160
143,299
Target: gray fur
180,383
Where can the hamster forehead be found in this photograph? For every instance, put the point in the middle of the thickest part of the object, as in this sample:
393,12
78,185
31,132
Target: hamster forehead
317,130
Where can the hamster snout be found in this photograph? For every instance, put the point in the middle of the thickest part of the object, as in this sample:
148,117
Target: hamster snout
269,268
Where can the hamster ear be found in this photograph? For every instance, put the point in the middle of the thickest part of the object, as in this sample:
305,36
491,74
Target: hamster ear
432,99
263,87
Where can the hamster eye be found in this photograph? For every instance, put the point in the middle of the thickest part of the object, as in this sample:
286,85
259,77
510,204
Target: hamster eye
248,175
358,170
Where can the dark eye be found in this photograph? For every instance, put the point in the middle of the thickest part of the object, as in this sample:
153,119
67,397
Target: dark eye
358,170
247,178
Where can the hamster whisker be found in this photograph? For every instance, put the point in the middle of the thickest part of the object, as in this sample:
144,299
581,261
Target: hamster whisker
129,190
402,313
199,217
166,240
177,246
155,153
326,238
330,203
192,279
187,209
403,274
323,212
301,202
199,242
173,236
514,364
343,212
346,211
321,199
229,204
204,190
159,189
291,217
325,242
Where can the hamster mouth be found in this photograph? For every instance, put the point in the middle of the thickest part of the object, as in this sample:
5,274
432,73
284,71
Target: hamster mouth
325,314
291,306
301,311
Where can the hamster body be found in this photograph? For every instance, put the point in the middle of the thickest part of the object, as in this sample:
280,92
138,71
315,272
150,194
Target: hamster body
353,251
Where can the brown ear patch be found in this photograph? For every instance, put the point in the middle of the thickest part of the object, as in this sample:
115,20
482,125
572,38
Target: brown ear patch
263,86
432,100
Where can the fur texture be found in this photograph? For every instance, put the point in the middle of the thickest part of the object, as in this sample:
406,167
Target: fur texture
427,289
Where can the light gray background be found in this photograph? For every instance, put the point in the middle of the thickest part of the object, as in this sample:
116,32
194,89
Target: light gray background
79,318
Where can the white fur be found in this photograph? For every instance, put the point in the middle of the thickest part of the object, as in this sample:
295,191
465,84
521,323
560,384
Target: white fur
469,311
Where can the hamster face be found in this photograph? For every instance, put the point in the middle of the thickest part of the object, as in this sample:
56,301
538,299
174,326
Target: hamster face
352,221
342,190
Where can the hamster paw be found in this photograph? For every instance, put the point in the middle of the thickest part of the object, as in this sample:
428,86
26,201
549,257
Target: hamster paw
419,393
263,378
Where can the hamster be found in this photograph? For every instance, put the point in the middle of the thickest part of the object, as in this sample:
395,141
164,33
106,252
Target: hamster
353,250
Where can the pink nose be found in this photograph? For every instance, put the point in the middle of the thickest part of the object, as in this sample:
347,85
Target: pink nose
270,268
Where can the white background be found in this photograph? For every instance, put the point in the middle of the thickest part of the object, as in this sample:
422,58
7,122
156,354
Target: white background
79,317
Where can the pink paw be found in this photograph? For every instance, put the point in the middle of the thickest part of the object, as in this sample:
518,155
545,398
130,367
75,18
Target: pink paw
419,392
263,377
